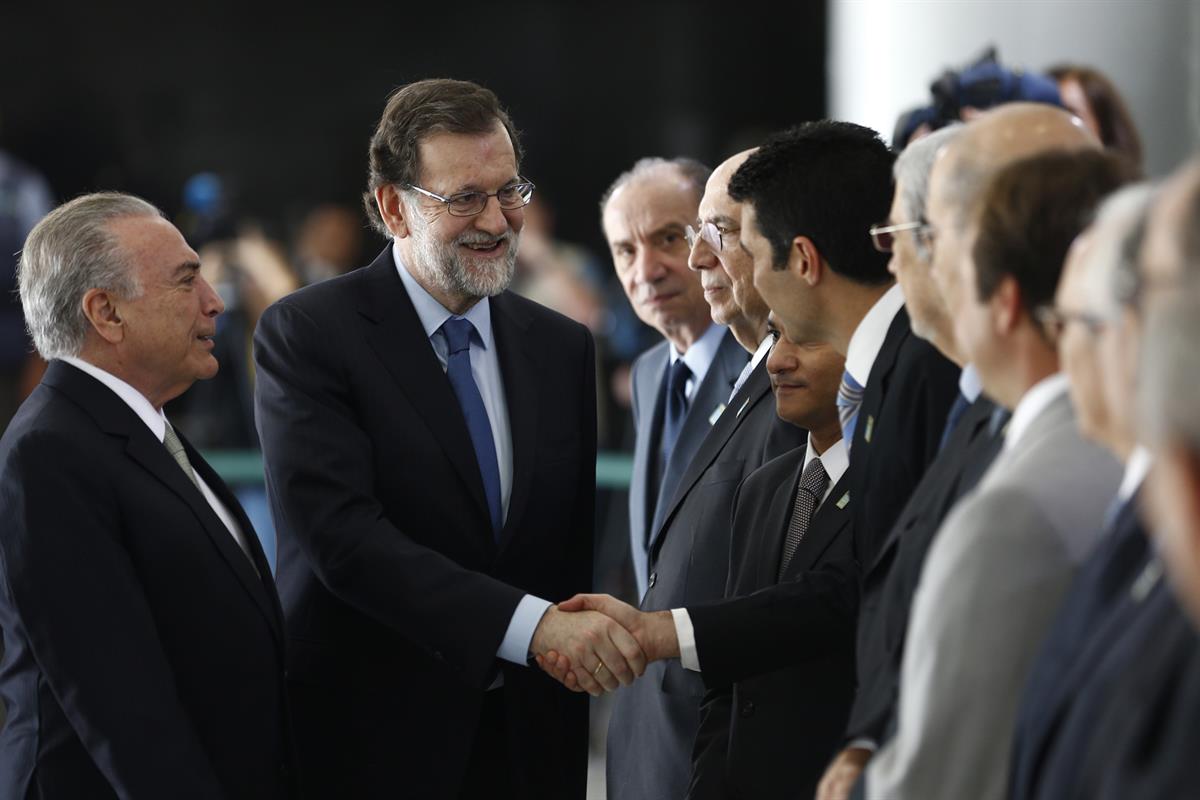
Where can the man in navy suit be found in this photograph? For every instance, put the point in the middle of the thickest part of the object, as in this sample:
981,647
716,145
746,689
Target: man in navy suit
680,386
430,445
144,646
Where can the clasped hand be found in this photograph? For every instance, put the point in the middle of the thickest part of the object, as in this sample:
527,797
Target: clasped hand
594,643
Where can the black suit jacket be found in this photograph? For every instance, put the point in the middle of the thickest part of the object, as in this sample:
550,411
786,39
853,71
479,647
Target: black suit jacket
891,581
779,656
900,422
1071,651
144,656
654,722
396,593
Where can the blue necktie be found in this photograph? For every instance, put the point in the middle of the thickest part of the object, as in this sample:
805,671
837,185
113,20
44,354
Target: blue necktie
458,369
849,399
961,403
676,410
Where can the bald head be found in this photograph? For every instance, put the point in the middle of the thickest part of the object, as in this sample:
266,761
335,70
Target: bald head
999,137
1171,249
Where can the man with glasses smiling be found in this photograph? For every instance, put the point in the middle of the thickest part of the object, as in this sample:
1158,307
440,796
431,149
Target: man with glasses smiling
430,443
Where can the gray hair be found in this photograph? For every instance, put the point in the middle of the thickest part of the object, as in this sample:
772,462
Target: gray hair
1170,372
73,249
1118,228
695,173
912,169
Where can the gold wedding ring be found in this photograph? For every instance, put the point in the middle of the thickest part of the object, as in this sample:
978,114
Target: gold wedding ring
596,671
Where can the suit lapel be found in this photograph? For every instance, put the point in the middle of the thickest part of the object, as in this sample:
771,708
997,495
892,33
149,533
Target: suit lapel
831,518
757,386
776,524
115,417
877,381
519,372
395,334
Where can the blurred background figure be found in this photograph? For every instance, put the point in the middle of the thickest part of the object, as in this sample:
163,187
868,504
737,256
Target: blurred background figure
25,198
249,271
1091,96
329,242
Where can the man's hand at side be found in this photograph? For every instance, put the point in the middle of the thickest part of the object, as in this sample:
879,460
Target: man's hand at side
587,640
843,773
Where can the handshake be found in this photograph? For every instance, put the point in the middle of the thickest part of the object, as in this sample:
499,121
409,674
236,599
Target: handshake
594,643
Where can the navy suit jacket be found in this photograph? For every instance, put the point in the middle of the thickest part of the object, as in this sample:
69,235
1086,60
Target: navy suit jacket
144,656
396,591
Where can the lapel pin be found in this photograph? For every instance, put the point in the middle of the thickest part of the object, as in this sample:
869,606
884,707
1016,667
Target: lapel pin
870,428
716,415
844,500
743,408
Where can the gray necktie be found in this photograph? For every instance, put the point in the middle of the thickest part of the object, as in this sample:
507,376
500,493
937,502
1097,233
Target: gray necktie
175,448
808,496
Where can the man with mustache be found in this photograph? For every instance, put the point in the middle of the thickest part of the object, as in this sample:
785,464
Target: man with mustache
430,446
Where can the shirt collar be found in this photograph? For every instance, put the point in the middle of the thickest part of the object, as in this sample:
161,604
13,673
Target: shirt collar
835,459
1136,469
970,384
1032,404
700,355
433,314
154,418
871,331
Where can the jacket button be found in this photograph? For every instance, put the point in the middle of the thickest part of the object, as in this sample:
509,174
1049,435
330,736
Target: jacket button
653,579
748,709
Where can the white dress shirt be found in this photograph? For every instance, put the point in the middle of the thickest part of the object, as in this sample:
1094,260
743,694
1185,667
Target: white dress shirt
699,357
764,348
1032,404
156,421
869,335
485,369
835,460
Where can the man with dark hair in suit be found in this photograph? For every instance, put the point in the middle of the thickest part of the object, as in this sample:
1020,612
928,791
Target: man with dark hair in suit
430,445
680,385
144,639
809,197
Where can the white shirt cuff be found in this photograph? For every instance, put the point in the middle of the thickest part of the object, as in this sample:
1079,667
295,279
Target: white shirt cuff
515,646
688,657
864,744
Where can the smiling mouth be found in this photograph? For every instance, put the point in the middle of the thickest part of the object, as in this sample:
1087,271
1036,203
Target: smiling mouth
485,249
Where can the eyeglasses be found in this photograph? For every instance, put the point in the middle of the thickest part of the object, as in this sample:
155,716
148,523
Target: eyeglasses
1055,320
712,234
468,204
883,236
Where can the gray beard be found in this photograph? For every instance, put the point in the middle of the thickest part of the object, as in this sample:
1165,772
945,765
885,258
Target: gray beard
459,275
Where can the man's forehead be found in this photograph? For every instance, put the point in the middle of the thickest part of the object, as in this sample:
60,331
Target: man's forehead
650,203
454,161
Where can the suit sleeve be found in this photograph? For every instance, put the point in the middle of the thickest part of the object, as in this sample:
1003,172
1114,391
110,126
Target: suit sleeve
781,625
320,473
75,596
990,587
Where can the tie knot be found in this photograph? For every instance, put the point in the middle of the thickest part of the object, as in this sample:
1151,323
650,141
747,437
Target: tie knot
458,334
679,376
815,478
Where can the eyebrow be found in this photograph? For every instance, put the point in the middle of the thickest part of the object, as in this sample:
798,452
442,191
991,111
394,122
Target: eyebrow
723,219
184,268
475,187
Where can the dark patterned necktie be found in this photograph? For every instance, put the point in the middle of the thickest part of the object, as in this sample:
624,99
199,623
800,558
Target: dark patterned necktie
809,492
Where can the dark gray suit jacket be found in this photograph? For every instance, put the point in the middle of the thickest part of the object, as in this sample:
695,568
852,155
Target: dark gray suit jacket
655,721
646,502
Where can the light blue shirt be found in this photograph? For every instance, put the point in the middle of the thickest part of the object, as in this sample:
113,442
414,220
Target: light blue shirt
699,357
485,369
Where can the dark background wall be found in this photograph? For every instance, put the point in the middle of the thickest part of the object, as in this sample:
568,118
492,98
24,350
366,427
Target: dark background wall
281,100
